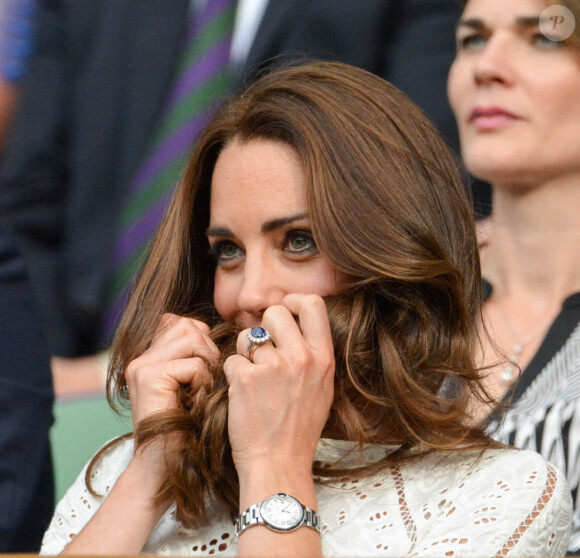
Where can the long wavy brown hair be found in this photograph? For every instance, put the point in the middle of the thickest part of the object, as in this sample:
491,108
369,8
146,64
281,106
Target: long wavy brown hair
388,207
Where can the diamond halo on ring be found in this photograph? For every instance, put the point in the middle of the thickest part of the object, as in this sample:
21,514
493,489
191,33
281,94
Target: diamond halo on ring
258,336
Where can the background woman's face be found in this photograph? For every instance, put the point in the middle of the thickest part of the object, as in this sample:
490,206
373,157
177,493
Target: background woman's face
260,232
515,94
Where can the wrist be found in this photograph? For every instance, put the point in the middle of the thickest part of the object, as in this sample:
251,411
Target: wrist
273,464
146,470
280,512
263,480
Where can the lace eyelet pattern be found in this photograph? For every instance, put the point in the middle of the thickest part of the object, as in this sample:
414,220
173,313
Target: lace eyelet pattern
506,502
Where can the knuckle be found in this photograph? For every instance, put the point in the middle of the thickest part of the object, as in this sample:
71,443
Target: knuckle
202,326
135,371
234,363
189,330
328,363
238,371
201,364
132,368
276,364
183,325
166,320
200,374
302,359
326,359
315,301
273,311
244,380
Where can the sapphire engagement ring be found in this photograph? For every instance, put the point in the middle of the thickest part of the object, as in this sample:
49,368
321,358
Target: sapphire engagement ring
258,336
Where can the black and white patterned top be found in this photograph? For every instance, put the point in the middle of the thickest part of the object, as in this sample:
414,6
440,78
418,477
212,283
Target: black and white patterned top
545,412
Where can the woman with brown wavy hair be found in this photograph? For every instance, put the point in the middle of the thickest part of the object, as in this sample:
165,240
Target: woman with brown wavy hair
298,350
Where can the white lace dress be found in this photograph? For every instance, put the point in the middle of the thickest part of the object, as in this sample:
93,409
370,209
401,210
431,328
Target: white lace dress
506,503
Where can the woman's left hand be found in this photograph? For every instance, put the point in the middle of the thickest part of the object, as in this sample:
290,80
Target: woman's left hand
280,402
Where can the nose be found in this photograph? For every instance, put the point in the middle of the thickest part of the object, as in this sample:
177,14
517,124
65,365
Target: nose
261,286
493,64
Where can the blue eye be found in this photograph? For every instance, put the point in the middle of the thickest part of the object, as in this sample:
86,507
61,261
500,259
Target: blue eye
471,42
540,40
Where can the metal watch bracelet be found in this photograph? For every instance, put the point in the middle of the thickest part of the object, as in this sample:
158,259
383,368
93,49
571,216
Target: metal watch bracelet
253,516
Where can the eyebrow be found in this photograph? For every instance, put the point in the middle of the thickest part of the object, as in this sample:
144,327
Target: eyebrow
267,227
274,224
524,22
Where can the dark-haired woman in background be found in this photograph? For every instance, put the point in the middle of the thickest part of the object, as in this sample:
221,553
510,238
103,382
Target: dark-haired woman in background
515,86
336,425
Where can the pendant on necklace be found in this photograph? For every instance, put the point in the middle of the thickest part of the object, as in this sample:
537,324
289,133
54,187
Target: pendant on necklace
508,374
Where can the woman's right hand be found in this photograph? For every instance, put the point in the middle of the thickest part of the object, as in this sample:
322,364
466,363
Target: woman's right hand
181,353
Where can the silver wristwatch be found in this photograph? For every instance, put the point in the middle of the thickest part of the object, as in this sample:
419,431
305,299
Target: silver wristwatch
281,512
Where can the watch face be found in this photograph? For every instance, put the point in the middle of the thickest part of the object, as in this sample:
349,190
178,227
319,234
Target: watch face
282,512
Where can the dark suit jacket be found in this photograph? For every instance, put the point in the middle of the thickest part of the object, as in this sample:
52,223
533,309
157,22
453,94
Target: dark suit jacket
92,97
26,483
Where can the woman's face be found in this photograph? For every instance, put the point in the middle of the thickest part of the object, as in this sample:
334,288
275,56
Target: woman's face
260,232
515,94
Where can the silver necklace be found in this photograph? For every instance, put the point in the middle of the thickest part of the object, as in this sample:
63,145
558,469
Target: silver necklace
508,375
